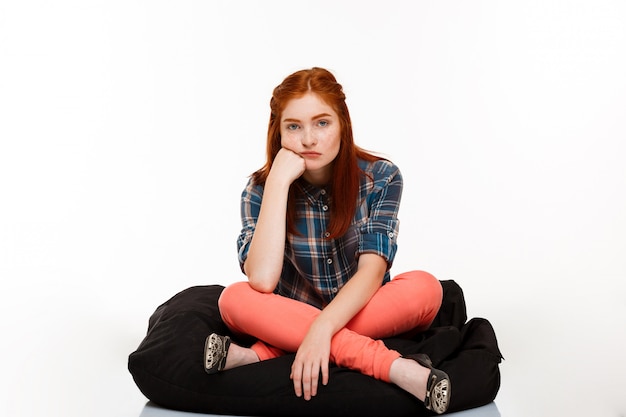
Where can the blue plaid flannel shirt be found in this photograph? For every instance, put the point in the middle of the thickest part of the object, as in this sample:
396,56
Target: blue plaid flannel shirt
315,268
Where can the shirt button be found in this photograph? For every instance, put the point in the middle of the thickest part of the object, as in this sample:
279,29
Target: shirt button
391,235
323,192
326,234
324,207
329,261
334,290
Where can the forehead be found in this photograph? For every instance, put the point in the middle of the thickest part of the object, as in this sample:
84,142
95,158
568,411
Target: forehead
306,106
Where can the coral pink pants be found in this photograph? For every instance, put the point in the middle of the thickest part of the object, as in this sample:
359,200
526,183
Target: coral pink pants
410,301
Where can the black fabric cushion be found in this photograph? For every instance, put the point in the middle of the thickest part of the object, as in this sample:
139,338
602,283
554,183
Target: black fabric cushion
167,366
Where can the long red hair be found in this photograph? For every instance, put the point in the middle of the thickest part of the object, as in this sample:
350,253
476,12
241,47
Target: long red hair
345,181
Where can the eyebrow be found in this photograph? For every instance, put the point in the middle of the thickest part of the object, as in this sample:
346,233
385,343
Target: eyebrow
319,116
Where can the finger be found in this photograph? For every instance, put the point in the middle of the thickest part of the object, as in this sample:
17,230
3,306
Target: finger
306,382
296,376
315,376
325,373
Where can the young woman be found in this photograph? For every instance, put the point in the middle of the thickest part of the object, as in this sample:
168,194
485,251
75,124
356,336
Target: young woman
318,240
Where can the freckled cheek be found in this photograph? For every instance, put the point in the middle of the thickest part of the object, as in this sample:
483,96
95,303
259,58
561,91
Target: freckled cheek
330,138
333,140
288,139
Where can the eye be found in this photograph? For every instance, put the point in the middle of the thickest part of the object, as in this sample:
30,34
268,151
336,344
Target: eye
292,126
322,123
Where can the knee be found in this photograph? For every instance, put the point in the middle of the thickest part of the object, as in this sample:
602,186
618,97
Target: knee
232,297
423,286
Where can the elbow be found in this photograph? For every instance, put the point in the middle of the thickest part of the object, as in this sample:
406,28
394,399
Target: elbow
260,278
262,286
262,283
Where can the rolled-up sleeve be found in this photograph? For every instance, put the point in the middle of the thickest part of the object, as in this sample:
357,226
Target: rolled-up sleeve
251,198
379,231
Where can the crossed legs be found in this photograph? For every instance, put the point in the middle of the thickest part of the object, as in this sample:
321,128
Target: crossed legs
408,302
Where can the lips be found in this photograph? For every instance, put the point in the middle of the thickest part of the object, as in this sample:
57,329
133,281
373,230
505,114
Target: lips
310,154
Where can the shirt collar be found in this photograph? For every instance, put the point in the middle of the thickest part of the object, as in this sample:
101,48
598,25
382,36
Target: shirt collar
312,192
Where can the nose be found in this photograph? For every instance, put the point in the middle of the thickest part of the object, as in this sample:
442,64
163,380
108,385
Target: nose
308,138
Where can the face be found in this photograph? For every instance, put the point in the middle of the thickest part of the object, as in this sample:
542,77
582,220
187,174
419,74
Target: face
311,128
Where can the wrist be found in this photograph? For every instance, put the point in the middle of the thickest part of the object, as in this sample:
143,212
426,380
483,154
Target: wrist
323,325
277,182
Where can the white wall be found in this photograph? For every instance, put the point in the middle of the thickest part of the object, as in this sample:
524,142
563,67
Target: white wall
128,129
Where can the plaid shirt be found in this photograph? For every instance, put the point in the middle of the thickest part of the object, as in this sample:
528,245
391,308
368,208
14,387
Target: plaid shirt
315,268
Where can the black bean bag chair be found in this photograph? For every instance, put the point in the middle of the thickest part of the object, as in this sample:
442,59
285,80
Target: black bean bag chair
167,366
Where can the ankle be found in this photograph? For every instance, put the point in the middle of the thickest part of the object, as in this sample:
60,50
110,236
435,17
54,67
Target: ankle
410,376
239,356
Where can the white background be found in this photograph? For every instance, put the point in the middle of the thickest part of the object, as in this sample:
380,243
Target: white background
128,129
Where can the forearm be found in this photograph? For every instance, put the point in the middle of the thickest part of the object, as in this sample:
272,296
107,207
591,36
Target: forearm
354,295
264,262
